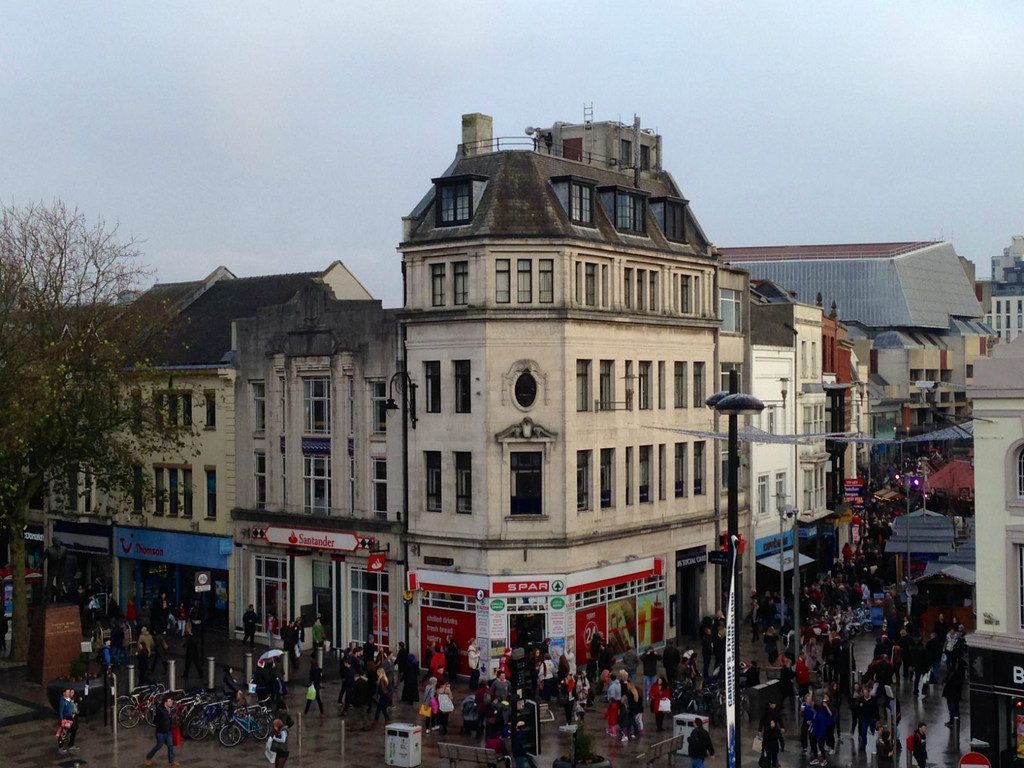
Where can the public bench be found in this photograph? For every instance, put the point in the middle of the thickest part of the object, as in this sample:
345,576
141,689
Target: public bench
669,747
461,753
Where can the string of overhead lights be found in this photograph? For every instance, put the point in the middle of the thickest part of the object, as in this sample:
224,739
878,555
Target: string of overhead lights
750,434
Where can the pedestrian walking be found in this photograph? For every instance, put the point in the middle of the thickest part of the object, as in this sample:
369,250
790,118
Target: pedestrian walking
918,748
316,678
384,698
951,692
163,733
249,620
473,656
772,742
699,744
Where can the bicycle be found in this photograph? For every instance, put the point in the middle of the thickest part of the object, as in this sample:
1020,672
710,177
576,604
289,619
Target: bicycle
255,721
140,704
210,719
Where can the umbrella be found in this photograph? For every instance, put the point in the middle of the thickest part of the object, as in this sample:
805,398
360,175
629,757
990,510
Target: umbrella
271,654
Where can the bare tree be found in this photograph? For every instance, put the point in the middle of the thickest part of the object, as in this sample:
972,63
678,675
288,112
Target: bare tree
73,349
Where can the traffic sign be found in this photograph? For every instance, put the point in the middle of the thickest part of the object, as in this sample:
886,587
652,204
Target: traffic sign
718,557
974,759
203,581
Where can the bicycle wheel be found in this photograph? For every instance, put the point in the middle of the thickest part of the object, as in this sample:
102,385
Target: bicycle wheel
260,727
230,735
197,728
151,714
128,716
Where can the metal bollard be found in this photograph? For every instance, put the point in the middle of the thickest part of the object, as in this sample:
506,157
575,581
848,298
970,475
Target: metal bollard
320,657
172,676
248,667
284,667
131,677
210,664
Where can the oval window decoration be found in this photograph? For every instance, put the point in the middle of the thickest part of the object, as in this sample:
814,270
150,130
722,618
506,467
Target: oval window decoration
526,389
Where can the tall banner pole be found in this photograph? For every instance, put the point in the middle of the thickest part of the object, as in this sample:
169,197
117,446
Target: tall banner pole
730,661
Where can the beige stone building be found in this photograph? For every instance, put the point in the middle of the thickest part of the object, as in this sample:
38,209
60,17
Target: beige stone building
564,312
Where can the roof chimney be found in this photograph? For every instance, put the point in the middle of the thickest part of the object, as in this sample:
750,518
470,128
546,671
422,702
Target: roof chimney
477,134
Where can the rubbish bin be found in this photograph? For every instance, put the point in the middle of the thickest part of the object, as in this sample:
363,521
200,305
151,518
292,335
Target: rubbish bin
403,745
682,725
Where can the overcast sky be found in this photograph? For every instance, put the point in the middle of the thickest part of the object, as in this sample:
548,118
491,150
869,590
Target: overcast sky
277,137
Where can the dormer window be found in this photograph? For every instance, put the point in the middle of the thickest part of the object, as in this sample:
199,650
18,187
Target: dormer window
670,213
576,195
581,208
456,203
627,208
457,198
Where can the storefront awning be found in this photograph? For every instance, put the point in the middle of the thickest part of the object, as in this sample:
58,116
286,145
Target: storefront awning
772,561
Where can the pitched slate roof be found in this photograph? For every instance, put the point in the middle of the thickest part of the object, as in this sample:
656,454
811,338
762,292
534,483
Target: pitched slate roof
886,285
519,201
202,335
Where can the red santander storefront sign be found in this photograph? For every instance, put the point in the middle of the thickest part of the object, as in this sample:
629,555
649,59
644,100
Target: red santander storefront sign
311,538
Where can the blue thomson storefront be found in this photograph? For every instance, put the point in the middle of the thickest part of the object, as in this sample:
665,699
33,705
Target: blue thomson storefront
152,562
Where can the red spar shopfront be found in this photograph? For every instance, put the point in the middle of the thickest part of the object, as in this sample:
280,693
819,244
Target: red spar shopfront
625,602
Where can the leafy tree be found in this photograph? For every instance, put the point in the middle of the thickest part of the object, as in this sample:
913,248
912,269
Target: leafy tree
73,366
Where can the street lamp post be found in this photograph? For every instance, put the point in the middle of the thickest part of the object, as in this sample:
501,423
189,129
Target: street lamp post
734,404
403,384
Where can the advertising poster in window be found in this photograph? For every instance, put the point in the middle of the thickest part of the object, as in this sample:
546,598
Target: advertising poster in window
650,618
621,625
1020,735
497,631
379,617
482,628
441,623
589,621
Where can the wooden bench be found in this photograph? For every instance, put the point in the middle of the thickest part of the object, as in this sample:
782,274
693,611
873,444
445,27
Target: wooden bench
461,753
669,747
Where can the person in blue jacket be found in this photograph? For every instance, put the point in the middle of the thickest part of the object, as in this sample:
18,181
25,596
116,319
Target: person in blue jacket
68,710
819,726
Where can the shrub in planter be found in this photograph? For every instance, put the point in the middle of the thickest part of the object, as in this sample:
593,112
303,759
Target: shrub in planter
77,679
584,753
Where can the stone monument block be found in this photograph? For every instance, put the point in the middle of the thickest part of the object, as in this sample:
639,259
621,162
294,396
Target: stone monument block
56,641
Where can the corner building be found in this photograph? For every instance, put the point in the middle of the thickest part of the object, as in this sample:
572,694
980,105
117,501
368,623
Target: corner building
563,310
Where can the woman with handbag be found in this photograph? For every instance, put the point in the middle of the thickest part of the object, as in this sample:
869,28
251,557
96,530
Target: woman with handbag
429,705
277,745
661,702
445,706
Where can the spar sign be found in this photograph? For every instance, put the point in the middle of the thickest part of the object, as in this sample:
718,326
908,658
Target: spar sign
311,538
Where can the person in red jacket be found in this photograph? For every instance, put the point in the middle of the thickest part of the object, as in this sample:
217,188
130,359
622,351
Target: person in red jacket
803,676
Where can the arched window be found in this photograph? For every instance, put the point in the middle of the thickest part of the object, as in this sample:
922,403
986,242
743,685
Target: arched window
1020,474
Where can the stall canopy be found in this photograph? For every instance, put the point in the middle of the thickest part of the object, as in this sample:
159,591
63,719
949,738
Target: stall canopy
959,565
955,478
921,532
772,561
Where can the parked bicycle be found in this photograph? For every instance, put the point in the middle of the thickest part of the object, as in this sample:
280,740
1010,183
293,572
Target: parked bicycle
138,705
255,721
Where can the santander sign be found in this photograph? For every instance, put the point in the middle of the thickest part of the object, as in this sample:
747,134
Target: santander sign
311,538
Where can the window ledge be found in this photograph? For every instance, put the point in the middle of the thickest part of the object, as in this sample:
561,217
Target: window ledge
1015,506
527,517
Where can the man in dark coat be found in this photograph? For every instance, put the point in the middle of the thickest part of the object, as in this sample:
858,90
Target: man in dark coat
671,659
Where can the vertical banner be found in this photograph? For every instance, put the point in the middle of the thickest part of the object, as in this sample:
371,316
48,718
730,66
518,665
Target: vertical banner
730,662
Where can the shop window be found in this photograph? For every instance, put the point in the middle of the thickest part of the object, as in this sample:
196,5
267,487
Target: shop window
380,489
316,402
270,589
316,478
526,483
260,472
370,602
211,494
463,483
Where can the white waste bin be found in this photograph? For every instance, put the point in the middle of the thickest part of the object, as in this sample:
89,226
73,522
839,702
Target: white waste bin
682,725
403,745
